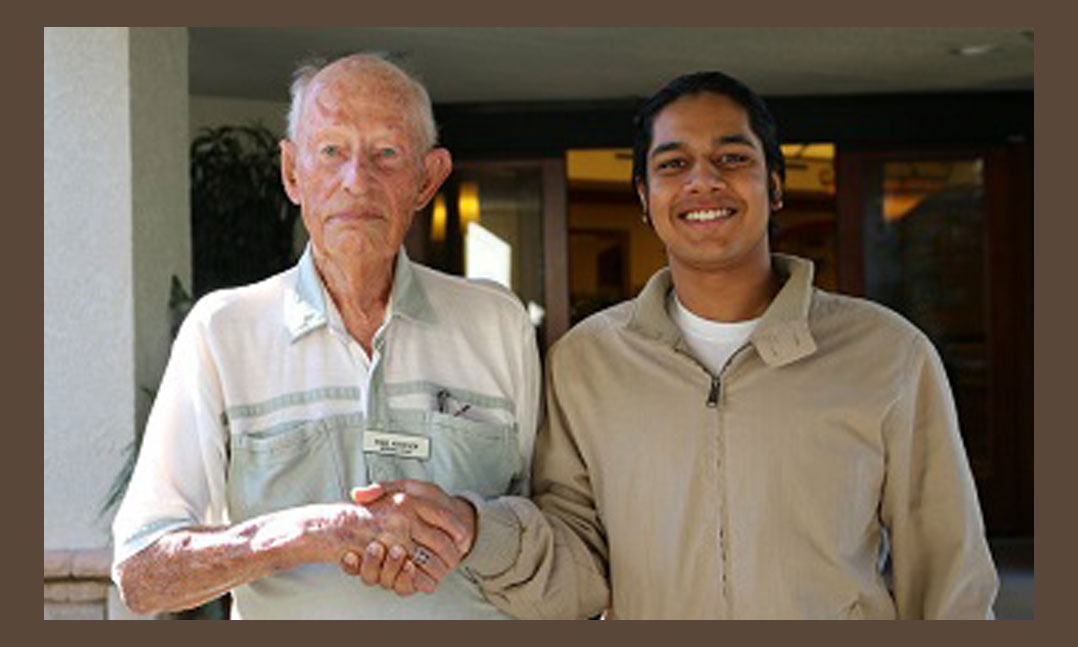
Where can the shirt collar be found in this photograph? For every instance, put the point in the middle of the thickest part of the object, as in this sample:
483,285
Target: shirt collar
782,336
306,306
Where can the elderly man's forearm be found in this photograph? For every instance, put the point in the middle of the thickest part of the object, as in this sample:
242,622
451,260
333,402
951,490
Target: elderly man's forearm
191,566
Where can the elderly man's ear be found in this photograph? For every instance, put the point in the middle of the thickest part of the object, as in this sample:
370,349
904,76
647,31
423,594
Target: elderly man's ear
288,170
437,164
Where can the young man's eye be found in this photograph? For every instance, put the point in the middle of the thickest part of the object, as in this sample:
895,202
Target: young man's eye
670,164
733,158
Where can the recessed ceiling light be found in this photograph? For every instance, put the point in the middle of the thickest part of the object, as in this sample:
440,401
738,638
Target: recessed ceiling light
974,50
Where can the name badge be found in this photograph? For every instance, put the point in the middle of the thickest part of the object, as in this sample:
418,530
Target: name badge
396,445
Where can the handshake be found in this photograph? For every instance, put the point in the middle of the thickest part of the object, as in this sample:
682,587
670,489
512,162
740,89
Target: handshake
423,534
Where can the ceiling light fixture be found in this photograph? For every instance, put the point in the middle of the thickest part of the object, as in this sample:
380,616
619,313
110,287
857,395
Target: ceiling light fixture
974,50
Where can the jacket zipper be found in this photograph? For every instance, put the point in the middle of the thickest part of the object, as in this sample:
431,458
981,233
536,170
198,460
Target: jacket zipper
715,391
713,394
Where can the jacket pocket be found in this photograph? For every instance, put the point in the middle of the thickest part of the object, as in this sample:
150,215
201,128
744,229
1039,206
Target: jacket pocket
481,457
297,464
854,610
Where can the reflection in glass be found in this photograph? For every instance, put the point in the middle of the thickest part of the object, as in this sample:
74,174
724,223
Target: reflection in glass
924,237
487,222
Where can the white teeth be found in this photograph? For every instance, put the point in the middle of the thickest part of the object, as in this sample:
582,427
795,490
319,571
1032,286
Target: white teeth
710,214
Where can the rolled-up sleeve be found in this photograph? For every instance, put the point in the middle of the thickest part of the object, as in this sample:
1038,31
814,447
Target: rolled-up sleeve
179,477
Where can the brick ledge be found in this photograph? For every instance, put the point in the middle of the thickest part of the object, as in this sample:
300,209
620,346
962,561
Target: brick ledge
78,564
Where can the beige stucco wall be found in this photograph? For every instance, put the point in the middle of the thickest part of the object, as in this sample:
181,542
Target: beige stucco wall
116,221
89,305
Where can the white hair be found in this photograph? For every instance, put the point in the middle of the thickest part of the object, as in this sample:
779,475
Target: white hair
422,112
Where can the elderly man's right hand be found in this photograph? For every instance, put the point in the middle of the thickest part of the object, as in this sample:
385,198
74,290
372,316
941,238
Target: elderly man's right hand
438,517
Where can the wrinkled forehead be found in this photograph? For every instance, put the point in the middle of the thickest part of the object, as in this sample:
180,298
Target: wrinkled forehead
360,98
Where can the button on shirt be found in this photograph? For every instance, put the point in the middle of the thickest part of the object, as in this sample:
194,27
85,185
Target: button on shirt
267,400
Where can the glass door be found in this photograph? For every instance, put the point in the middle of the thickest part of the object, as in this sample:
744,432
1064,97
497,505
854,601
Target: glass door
944,238
502,221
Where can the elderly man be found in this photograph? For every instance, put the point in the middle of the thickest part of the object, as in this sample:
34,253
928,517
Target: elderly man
355,366
734,443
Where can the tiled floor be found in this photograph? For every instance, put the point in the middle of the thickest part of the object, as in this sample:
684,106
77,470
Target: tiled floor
1014,561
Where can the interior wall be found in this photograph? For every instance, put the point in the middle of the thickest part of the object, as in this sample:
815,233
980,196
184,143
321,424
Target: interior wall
612,211
212,112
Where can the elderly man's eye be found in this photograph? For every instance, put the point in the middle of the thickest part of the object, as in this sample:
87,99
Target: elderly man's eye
388,153
331,150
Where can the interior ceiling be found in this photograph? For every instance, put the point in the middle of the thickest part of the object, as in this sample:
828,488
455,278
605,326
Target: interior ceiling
489,64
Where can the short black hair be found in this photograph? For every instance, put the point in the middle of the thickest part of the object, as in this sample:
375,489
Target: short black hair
760,119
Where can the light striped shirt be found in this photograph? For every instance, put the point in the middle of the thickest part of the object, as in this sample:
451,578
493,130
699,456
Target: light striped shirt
267,398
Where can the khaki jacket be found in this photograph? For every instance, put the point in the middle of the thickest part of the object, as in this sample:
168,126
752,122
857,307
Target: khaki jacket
775,489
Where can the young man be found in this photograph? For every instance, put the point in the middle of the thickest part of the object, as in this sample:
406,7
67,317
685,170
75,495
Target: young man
734,443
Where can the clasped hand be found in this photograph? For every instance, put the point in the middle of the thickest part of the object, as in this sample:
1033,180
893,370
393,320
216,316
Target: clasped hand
441,529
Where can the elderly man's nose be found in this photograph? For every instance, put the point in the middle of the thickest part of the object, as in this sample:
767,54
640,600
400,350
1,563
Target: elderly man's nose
356,174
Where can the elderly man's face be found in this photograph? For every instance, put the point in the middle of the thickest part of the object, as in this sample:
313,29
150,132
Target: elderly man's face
359,169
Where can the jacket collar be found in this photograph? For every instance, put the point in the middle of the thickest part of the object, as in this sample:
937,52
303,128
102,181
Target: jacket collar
308,307
782,336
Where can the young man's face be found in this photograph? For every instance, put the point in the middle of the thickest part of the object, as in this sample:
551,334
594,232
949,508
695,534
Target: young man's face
707,189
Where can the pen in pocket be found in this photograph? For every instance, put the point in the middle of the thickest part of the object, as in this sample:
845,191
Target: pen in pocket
443,403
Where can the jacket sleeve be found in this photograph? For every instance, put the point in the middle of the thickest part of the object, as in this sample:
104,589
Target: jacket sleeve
546,557
940,559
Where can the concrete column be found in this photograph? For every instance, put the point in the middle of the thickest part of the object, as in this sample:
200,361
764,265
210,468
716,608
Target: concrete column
116,229
160,192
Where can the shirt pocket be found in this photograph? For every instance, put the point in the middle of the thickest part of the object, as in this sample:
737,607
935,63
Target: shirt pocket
280,468
465,454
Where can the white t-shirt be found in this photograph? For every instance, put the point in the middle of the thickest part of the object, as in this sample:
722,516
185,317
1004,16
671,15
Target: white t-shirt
711,342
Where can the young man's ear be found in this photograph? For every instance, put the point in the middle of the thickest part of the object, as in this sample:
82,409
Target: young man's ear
288,170
774,191
437,164
642,194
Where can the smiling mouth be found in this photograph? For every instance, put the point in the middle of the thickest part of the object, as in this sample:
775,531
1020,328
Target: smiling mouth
706,215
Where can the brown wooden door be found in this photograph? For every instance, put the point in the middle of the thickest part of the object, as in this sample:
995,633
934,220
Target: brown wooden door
945,238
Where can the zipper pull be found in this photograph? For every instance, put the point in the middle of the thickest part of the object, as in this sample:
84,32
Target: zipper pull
713,394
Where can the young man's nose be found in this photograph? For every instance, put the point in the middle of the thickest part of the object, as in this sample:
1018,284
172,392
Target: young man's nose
704,177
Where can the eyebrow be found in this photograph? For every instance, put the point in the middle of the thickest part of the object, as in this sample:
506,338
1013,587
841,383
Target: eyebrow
718,141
